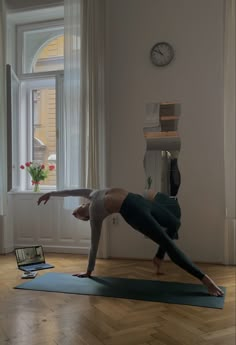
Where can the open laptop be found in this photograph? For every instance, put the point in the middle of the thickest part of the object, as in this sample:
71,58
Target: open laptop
31,259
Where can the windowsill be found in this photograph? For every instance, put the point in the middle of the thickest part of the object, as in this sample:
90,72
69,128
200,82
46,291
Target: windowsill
30,191
25,192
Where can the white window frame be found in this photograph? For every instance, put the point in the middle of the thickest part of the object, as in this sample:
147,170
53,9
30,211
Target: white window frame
21,29
13,128
29,81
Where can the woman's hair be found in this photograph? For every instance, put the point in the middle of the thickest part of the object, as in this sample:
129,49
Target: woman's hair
80,214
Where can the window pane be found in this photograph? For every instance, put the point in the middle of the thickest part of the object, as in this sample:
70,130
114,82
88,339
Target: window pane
51,56
44,129
35,42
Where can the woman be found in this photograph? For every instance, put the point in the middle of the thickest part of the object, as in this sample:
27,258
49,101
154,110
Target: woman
171,204
145,216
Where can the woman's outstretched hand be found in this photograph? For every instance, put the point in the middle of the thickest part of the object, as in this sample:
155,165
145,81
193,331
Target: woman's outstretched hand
45,198
83,275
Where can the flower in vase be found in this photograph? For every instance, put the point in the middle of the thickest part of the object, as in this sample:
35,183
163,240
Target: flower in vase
37,171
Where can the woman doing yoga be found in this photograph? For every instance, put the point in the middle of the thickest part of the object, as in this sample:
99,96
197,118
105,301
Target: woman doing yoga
146,216
171,205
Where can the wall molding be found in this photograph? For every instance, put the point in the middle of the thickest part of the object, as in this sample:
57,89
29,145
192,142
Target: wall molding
230,242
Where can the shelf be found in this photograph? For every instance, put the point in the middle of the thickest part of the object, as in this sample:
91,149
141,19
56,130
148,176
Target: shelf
150,135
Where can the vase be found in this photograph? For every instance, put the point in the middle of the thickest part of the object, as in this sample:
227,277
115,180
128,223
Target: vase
36,187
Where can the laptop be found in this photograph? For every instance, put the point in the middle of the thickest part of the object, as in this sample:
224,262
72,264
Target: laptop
31,259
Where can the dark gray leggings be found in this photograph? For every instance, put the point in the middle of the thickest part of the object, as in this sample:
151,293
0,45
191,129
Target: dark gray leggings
148,218
171,204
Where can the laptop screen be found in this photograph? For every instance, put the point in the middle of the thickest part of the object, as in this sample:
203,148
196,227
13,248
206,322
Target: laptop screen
29,255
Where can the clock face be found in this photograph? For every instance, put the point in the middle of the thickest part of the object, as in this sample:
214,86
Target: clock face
162,54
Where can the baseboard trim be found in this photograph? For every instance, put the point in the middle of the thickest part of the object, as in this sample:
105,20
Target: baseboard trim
7,250
58,249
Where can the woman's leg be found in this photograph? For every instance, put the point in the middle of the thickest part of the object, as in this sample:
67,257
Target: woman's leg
137,213
160,254
177,256
172,206
155,232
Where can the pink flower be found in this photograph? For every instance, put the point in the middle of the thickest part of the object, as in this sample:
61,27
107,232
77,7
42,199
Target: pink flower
51,167
42,166
27,164
22,167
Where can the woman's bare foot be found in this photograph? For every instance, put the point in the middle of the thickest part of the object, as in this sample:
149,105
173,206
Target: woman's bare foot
213,289
157,262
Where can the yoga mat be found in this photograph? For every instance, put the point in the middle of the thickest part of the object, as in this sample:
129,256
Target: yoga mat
137,289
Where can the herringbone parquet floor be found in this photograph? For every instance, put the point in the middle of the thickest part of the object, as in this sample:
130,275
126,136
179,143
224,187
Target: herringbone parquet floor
45,318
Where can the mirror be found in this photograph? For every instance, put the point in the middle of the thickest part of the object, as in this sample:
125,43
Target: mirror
162,147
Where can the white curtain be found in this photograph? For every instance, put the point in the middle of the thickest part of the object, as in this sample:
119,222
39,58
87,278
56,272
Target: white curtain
85,131
3,126
92,76
74,127
230,129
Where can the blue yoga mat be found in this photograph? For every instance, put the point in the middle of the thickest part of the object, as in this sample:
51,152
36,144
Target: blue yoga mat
137,289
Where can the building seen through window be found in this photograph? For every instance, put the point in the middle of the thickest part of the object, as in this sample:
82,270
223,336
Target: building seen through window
50,57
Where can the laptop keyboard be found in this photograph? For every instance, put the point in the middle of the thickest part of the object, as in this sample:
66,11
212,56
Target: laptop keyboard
36,267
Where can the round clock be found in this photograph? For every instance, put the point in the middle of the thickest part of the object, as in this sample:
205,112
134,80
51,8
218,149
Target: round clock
162,54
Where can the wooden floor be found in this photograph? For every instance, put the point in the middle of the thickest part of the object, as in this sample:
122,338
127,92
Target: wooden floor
46,318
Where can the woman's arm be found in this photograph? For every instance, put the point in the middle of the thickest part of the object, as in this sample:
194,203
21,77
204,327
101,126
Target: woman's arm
96,227
85,192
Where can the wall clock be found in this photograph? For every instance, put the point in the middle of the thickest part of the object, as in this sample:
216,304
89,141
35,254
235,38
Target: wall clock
162,53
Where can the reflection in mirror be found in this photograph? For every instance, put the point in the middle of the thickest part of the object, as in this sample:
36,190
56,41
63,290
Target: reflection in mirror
162,147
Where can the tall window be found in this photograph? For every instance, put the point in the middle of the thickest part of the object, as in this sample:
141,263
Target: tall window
40,69
44,145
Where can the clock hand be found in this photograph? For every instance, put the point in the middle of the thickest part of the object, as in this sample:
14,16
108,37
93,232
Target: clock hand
160,51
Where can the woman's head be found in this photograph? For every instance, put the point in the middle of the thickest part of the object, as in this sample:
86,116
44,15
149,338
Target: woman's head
82,212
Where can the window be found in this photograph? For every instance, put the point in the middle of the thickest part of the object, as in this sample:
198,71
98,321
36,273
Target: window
50,57
41,46
40,69
41,105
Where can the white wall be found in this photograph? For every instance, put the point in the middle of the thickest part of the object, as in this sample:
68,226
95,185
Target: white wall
195,79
